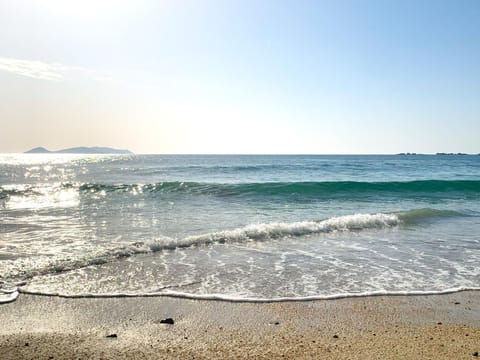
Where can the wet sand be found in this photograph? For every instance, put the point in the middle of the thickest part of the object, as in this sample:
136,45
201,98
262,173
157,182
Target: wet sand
381,327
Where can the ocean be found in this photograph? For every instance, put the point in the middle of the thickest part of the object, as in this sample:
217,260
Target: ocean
238,227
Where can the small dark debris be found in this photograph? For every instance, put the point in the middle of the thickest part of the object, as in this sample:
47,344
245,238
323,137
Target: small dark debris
374,334
167,321
431,338
457,303
335,336
276,323
185,337
475,354
112,336
439,323
27,344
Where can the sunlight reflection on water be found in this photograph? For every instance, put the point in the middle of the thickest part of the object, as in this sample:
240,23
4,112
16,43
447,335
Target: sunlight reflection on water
47,196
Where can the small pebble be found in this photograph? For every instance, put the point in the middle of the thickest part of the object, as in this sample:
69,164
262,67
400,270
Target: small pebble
335,336
167,321
111,336
475,354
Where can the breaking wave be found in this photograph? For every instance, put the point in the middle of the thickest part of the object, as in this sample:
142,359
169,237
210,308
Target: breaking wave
10,288
252,232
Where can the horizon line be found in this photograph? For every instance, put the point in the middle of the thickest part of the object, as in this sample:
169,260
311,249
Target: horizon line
260,154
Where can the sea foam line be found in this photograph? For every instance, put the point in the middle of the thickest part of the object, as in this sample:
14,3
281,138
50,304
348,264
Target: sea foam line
237,299
8,295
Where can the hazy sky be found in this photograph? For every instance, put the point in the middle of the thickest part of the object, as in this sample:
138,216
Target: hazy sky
246,76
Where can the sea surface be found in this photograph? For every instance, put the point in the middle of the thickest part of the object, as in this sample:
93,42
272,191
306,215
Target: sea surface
254,228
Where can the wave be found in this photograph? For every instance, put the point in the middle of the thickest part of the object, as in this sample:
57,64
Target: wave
25,191
279,188
278,229
252,232
416,216
325,189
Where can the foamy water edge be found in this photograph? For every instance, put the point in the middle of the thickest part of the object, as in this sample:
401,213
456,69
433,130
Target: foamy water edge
228,298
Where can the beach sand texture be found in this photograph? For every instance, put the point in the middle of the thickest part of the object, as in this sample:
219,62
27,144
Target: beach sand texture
379,327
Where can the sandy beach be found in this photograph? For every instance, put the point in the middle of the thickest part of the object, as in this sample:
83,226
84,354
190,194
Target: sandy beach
382,327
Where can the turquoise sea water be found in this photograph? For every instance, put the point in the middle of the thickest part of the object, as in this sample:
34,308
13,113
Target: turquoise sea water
239,227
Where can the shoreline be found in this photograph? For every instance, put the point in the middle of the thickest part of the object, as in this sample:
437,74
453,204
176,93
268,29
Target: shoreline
228,298
420,326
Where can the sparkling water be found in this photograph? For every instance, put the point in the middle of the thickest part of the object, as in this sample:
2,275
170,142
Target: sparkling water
239,227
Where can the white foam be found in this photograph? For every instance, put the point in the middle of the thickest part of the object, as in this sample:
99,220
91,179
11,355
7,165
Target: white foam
222,297
27,268
264,231
8,295
276,230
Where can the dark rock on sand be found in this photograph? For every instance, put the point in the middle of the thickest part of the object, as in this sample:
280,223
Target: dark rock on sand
167,321
111,336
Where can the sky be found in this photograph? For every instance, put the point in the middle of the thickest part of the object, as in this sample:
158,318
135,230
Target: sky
246,76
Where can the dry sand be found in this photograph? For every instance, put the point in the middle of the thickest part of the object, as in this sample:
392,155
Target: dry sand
395,327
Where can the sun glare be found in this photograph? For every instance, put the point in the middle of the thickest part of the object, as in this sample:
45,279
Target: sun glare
89,9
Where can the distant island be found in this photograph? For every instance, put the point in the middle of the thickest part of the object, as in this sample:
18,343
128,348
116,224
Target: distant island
438,153
442,153
79,150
